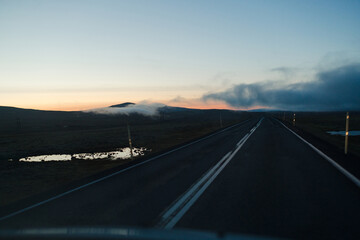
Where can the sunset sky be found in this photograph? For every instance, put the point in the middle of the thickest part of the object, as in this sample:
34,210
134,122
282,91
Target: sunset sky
74,55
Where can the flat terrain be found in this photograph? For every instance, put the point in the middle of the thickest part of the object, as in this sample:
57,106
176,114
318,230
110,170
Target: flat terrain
255,178
319,123
30,132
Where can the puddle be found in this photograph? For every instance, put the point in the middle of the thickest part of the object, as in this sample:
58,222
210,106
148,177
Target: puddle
121,153
342,133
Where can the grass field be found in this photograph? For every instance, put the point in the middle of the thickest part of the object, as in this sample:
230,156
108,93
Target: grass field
28,132
39,132
319,123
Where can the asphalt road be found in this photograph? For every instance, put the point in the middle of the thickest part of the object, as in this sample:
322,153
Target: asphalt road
255,178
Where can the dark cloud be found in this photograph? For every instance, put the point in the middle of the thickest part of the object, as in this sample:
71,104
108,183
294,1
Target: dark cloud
336,89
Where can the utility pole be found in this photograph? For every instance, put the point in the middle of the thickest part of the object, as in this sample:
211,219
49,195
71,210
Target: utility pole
130,144
346,132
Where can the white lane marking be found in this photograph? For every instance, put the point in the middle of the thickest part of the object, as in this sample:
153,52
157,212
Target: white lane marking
335,164
183,204
194,187
115,173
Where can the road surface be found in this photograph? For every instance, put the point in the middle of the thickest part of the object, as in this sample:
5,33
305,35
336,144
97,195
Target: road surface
255,178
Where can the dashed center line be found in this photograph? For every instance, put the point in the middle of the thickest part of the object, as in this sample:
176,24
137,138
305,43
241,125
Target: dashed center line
177,210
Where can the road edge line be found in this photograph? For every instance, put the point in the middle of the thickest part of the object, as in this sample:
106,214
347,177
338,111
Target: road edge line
350,176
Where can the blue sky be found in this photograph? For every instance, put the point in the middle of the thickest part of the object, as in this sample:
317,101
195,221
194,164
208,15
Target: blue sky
82,54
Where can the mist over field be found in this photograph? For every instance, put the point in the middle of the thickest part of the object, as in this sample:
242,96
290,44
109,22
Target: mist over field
143,108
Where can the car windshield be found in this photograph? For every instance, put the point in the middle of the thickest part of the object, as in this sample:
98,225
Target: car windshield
163,119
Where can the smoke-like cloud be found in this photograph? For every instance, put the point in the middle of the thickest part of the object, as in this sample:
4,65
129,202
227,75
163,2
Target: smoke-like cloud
284,70
336,89
143,108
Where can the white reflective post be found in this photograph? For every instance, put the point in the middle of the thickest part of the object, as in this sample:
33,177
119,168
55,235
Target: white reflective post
130,144
294,120
346,132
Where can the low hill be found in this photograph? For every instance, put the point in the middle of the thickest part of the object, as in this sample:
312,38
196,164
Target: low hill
19,120
27,132
121,105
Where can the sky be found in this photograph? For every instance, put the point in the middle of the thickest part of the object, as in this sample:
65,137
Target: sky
76,55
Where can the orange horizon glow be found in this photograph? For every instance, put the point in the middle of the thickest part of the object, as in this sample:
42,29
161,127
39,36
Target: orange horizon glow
193,104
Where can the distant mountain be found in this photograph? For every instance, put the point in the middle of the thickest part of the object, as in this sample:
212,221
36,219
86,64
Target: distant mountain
18,120
164,109
125,104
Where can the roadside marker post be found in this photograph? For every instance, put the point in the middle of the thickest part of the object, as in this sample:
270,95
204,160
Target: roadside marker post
130,143
294,120
346,132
